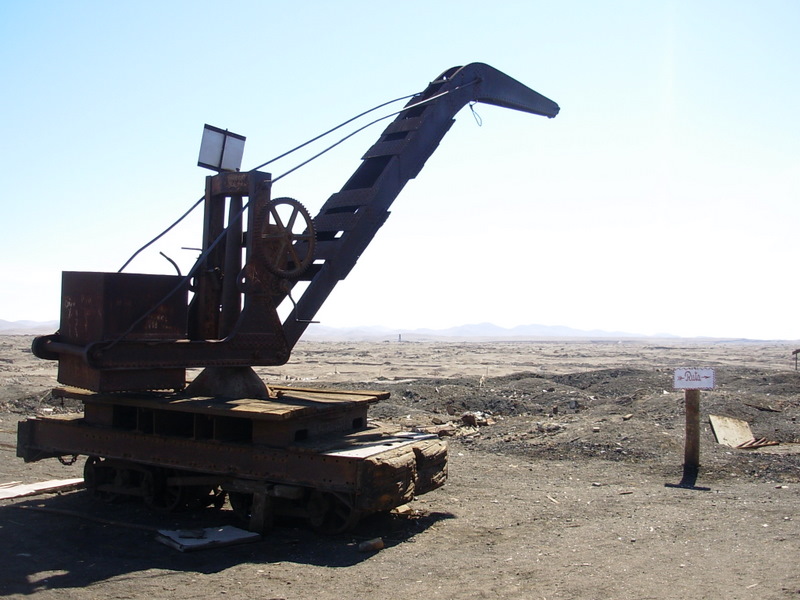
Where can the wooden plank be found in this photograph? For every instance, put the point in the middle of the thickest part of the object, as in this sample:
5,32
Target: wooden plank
15,489
377,394
276,392
288,402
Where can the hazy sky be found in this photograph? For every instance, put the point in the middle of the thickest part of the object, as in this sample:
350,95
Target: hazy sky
664,198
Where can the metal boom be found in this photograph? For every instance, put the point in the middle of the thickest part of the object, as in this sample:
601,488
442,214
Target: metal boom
349,220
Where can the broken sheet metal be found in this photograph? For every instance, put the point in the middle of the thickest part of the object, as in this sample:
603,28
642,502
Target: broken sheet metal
187,540
736,433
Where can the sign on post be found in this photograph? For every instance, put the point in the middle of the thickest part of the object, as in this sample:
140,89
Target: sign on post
691,380
687,378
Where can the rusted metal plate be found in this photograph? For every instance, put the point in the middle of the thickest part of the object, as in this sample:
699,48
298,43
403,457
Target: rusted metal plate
98,307
56,437
757,443
73,370
102,306
382,472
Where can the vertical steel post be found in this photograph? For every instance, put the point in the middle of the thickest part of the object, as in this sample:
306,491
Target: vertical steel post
204,311
231,297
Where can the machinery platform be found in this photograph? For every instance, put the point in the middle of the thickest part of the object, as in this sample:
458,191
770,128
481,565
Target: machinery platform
264,270
311,452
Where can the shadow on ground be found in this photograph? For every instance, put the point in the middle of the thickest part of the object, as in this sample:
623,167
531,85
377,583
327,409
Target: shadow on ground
73,541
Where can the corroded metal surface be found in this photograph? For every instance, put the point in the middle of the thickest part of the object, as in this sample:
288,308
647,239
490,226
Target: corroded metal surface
272,450
232,320
303,450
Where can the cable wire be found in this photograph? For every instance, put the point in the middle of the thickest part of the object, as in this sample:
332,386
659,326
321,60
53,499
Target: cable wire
339,126
238,216
160,235
184,280
370,124
287,153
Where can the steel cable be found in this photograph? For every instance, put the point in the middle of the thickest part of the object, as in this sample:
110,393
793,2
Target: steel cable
238,216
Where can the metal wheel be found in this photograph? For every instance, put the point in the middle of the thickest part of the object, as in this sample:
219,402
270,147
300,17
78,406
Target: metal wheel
330,513
203,496
242,505
96,475
159,494
287,238
254,510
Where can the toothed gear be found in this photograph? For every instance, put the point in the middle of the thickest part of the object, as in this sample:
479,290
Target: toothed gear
287,243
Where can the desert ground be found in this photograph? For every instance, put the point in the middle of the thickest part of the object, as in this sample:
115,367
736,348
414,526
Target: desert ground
561,483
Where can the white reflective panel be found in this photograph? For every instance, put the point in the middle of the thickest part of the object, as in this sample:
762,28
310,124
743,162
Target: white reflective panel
211,149
234,150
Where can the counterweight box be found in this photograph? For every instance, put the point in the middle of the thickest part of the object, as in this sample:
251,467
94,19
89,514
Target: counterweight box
98,307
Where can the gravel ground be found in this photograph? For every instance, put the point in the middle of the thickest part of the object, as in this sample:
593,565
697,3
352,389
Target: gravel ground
560,456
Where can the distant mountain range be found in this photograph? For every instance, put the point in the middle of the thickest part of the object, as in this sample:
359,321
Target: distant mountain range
487,331
321,332
27,327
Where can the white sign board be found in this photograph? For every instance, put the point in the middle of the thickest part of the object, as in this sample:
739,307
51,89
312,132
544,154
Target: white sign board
688,378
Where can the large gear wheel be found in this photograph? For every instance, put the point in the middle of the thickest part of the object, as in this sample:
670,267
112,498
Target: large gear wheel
287,241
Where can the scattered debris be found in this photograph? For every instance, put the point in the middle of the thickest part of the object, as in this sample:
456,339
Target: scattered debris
736,433
729,431
187,540
443,430
763,408
757,443
477,419
15,489
373,545
549,427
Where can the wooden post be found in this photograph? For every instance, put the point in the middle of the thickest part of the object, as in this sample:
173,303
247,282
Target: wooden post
691,453
691,381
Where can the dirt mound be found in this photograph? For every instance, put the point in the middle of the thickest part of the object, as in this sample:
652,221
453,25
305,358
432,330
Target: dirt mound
617,414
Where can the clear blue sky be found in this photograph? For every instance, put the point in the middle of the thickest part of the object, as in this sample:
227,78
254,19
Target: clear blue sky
664,198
